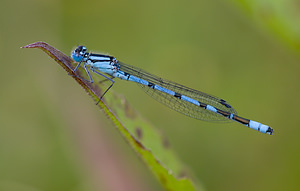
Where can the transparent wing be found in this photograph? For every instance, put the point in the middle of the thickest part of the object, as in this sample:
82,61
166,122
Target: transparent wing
179,105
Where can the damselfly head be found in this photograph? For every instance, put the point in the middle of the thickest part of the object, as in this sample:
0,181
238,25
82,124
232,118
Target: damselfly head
79,53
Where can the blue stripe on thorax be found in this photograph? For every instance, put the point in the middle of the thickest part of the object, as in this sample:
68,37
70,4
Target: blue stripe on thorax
99,57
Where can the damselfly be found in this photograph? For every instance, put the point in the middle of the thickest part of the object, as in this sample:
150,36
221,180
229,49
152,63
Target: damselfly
185,100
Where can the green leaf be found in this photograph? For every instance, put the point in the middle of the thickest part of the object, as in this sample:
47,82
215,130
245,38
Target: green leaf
149,144
279,18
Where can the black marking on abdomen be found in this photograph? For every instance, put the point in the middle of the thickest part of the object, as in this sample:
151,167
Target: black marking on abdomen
270,130
177,95
234,117
202,105
224,113
151,85
241,120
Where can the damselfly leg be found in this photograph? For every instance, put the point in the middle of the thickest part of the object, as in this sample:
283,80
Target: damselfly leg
107,78
87,71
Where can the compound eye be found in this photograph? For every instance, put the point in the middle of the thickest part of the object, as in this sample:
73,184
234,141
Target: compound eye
77,50
80,50
83,49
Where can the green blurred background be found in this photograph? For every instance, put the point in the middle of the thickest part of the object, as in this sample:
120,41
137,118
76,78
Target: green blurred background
246,52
